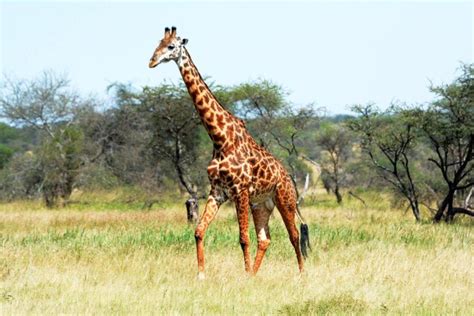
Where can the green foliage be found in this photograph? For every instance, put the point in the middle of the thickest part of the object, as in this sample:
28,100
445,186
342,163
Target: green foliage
448,127
335,145
152,138
449,121
7,133
13,140
96,177
176,134
60,159
21,178
47,105
405,144
158,126
5,154
389,138
119,139
260,99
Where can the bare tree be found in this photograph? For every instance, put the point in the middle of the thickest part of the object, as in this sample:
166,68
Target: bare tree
388,140
48,105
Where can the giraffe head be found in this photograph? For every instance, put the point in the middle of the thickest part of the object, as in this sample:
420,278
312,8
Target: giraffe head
170,48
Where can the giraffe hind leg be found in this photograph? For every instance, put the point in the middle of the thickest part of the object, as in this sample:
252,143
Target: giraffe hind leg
261,215
285,200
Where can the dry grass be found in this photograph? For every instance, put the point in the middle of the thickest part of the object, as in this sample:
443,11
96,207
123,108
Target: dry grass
96,259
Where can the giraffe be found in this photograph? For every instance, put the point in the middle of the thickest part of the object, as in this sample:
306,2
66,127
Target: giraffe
240,169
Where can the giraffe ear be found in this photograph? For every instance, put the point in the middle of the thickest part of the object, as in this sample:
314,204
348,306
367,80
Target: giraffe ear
184,41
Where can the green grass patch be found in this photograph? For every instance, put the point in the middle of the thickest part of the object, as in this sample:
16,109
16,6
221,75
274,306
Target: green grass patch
336,305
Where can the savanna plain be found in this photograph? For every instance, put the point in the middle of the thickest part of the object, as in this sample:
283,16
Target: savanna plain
105,254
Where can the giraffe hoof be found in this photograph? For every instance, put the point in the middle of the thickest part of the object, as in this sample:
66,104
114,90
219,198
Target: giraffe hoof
201,276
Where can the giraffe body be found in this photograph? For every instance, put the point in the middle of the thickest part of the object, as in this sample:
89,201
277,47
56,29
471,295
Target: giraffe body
240,169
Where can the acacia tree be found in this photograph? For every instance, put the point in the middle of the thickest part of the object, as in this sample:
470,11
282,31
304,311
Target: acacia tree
335,143
448,125
121,137
176,133
167,126
388,139
48,105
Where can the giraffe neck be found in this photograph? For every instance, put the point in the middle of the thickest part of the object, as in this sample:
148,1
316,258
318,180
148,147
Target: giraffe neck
219,123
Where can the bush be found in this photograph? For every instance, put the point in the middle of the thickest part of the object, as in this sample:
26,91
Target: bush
21,177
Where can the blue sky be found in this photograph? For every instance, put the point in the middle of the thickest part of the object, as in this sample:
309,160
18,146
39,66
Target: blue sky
334,54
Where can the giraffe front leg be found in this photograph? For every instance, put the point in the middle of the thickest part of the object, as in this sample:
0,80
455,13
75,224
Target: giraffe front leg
242,207
210,211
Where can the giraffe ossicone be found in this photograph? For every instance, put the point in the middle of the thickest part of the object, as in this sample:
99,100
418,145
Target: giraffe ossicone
240,169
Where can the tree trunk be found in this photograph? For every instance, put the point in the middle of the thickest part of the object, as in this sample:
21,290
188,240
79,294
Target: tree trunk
327,185
338,194
192,210
461,210
305,189
467,202
448,200
181,177
450,213
416,210
439,214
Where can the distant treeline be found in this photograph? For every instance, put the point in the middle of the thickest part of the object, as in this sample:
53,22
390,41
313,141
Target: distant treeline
53,141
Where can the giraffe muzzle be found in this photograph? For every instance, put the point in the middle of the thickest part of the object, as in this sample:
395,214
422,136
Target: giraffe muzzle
153,63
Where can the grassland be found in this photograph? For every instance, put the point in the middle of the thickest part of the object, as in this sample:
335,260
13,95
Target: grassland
113,257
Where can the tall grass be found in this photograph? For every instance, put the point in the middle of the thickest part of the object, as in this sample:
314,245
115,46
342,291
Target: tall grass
113,257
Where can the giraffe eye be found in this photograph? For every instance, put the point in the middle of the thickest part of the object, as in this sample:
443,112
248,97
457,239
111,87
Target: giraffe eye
171,47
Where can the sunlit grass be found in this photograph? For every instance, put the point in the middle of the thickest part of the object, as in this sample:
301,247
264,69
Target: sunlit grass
105,254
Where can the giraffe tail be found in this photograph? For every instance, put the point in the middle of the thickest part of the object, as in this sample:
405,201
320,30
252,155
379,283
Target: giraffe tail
304,235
